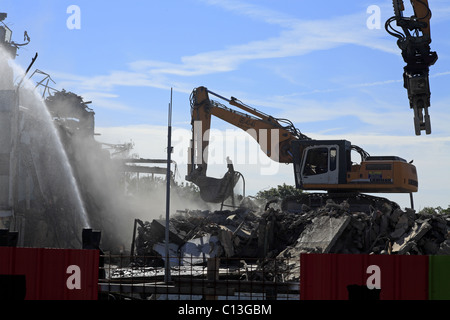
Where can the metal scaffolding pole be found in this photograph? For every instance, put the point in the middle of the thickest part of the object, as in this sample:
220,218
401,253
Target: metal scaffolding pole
169,152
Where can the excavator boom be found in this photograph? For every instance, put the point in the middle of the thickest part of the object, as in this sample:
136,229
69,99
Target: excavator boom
274,137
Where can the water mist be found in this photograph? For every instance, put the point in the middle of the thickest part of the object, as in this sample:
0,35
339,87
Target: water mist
39,155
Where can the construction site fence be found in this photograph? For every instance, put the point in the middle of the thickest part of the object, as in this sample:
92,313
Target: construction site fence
124,277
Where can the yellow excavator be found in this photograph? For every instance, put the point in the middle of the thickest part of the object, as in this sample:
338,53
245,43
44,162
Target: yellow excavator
324,165
414,42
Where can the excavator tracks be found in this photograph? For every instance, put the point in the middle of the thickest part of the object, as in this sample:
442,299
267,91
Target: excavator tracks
352,202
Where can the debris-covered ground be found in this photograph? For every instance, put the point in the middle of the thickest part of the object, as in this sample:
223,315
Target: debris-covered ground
249,233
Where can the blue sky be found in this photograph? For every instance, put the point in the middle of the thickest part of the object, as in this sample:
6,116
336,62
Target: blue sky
315,63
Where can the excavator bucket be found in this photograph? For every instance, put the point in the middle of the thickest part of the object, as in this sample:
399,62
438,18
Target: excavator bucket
215,190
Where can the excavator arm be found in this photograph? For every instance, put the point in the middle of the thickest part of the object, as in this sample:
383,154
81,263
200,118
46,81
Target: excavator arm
414,42
274,137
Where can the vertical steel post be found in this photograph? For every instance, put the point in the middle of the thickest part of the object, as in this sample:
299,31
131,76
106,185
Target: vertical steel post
169,152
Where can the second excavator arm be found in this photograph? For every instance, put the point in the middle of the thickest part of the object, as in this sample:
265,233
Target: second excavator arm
414,42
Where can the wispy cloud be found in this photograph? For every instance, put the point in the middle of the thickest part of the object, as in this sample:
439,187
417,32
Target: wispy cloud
255,12
106,101
297,37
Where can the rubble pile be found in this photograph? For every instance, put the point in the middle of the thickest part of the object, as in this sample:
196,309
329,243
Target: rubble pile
199,233
393,231
273,233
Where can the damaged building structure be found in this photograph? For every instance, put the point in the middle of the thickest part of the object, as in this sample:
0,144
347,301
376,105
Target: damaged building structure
56,179
66,180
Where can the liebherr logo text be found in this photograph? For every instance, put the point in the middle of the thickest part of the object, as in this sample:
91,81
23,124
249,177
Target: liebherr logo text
227,309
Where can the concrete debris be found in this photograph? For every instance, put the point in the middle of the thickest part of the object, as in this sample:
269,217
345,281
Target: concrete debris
409,239
322,233
264,235
197,233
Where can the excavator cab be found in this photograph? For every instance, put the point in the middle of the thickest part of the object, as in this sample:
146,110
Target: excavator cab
320,163
327,165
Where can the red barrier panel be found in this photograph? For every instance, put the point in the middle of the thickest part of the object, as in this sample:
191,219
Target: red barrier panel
52,274
398,277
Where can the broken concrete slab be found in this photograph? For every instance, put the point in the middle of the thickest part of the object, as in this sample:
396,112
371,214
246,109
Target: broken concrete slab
401,226
319,236
322,233
409,240
159,229
226,240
